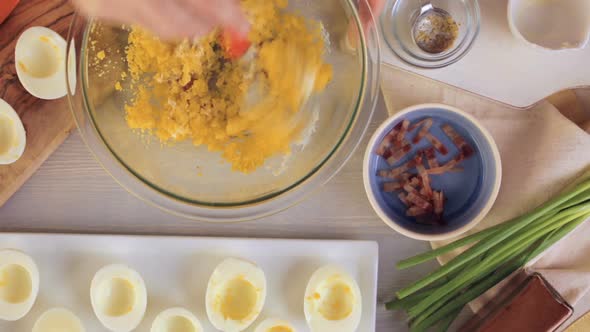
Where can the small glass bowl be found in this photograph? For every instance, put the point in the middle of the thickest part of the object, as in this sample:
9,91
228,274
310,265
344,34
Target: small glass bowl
399,17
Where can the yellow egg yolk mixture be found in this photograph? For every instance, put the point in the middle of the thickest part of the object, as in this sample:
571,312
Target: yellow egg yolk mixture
247,110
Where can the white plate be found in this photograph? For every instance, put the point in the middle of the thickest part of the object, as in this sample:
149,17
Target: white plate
176,271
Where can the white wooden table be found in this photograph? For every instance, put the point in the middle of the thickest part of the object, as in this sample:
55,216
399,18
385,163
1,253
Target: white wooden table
72,193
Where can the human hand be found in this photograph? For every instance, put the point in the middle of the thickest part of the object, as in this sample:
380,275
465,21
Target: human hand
170,19
376,7
369,11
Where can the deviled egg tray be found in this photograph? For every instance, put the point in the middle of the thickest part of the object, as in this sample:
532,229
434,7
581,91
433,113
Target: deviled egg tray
152,283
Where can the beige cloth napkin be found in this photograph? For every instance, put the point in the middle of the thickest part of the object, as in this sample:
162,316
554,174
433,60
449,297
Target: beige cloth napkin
541,152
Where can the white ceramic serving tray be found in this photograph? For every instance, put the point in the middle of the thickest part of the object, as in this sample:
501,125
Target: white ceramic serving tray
503,68
176,271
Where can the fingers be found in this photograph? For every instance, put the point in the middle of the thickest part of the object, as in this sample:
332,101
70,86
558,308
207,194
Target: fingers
226,13
170,20
370,10
376,6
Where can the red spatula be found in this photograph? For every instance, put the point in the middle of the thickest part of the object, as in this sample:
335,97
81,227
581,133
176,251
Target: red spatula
6,7
235,44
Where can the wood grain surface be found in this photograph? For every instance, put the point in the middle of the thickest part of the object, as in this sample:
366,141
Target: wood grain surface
47,123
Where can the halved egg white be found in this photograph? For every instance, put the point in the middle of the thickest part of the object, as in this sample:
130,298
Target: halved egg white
58,319
332,301
235,295
119,297
275,325
176,320
19,284
40,59
13,138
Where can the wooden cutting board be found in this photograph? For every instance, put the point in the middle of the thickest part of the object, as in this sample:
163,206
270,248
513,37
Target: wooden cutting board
48,123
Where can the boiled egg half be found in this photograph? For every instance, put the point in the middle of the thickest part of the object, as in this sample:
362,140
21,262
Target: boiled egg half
119,297
235,295
13,138
332,301
176,320
19,284
58,319
275,325
40,59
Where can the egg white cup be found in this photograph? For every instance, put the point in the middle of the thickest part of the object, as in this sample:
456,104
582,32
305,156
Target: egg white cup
58,319
229,275
40,60
19,280
328,285
550,24
274,323
176,319
13,138
119,297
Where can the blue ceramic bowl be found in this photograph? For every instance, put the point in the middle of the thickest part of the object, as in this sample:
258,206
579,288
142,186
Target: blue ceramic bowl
470,193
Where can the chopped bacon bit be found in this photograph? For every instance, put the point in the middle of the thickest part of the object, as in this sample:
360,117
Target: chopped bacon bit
398,155
404,177
390,187
403,130
439,202
430,155
466,149
420,123
403,197
393,173
414,182
426,183
388,140
409,188
425,180
426,125
437,144
415,211
419,201
443,169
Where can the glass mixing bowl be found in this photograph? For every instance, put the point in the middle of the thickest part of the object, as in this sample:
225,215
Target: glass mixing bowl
193,182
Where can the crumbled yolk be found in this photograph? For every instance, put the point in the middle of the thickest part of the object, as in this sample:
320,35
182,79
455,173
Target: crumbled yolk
280,328
118,86
193,91
101,55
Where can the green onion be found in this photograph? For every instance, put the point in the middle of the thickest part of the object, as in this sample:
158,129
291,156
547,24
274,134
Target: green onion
445,323
407,302
489,264
492,280
497,252
464,298
425,257
494,239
